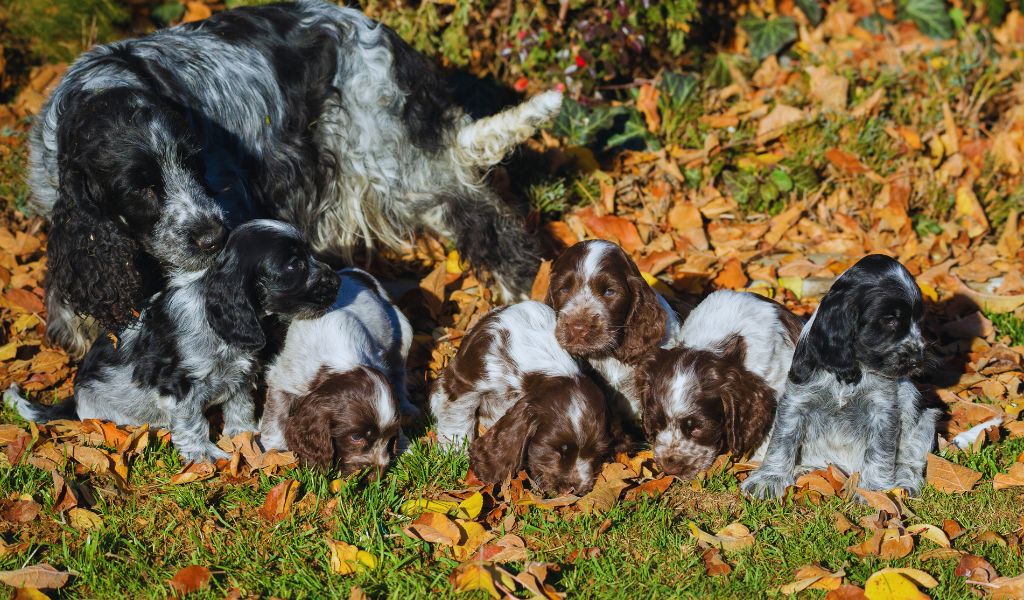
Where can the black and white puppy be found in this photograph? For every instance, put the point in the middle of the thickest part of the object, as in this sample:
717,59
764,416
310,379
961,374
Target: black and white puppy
336,392
849,400
717,392
306,112
196,344
542,413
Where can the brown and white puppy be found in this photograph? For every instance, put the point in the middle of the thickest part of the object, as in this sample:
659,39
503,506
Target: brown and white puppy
609,315
544,416
718,391
337,390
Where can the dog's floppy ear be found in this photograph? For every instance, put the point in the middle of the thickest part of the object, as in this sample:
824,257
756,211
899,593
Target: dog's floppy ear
92,263
831,341
501,452
231,305
308,433
748,403
645,326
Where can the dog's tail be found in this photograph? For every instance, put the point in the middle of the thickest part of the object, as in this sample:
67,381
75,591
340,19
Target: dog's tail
39,413
484,142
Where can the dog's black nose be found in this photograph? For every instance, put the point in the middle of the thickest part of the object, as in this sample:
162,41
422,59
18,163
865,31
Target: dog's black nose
210,239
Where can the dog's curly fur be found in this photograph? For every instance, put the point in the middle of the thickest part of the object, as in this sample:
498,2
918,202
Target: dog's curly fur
305,112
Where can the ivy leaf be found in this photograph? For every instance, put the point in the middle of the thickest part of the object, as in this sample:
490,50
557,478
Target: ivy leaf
678,87
165,14
634,128
930,16
768,36
782,180
742,185
812,10
579,124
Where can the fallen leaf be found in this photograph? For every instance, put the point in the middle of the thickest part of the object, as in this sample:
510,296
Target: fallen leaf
29,593
434,527
539,289
814,577
279,500
1012,478
474,577
968,210
83,519
949,477
930,532
470,507
347,559
191,579
193,472
647,104
713,563
975,568
844,161
41,576
775,123
22,510
731,276
196,11
472,537
879,501
732,537
432,287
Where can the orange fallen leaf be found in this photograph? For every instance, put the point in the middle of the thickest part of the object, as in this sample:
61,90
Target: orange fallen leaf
1012,478
436,528
279,500
193,472
949,477
191,579
713,563
844,161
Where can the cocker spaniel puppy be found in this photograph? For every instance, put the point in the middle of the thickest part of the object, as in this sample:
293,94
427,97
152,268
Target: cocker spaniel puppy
717,392
306,112
849,400
608,315
196,344
542,414
336,392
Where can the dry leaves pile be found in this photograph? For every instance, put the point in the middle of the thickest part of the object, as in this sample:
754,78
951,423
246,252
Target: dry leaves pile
687,240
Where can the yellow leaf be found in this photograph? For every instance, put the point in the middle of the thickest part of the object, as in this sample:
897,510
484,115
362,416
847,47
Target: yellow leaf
892,586
9,350
82,519
969,211
24,322
347,559
471,577
928,292
474,536
930,532
453,264
419,505
470,507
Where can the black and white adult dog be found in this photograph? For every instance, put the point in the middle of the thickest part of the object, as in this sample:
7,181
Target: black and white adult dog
196,343
306,112
849,400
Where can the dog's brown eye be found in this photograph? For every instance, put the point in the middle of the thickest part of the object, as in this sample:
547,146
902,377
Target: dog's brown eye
564,449
357,438
891,322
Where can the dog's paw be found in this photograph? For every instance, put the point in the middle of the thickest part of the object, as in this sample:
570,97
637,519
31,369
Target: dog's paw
912,484
765,484
205,453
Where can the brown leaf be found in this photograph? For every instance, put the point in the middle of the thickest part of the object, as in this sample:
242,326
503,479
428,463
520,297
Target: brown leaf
713,563
473,576
84,519
539,289
731,276
846,592
953,529
25,300
969,212
775,123
879,501
279,500
510,548
686,220
647,104
1012,478
432,287
435,528
652,488
949,477
814,577
41,576
63,496
614,228
196,11
844,161
193,472
1007,588
975,568
732,537
191,579
828,88
21,511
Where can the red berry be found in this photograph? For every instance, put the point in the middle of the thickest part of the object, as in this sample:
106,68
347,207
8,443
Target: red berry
521,35
580,61
521,84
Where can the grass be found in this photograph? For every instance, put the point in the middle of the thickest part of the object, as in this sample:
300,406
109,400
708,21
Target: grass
153,529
